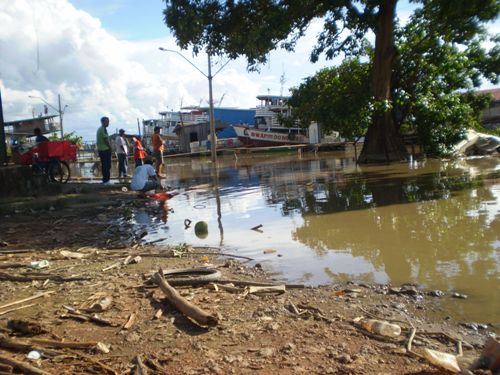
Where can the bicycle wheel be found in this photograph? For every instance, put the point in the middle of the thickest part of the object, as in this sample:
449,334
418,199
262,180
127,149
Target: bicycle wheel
55,171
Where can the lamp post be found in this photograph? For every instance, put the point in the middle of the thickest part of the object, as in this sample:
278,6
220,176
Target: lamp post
213,151
58,110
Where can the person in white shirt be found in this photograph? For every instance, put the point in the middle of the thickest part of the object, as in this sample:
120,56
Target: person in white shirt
145,178
122,153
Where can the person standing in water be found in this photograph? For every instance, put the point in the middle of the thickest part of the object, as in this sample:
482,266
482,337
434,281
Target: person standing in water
139,152
122,153
104,149
158,149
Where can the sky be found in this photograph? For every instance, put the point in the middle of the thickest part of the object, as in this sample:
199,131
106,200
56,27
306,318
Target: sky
102,57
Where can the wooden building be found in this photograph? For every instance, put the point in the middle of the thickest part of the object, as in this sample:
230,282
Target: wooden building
25,128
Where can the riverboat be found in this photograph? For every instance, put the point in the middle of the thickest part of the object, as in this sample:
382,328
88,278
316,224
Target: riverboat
268,130
275,136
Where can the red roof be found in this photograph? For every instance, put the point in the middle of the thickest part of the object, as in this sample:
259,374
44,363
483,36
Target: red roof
495,92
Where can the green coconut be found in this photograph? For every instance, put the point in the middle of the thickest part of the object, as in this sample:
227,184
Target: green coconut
201,229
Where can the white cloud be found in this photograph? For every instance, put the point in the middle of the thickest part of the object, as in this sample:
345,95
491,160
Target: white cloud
49,47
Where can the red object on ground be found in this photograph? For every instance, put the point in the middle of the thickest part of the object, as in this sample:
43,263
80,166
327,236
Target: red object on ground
163,196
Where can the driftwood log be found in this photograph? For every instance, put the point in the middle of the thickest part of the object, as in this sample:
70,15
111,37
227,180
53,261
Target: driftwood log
39,295
140,369
26,368
187,308
64,344
23,346
28,277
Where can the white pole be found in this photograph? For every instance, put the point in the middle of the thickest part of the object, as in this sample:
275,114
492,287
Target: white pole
213,145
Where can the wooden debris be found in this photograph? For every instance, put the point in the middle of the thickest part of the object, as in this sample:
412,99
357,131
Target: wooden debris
102,348
229,288
25,327
131,260
92,360
256,283
17,308
218,254
6,368
16,251
158,314
292,308
28,277
12,265
26,368
76,314
130,321
140,369
410,339
112,266
276,289
23,346
102,305
155,365
183,305
73,255
39,295
64,344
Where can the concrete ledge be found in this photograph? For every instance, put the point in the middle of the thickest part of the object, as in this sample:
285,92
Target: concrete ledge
18,180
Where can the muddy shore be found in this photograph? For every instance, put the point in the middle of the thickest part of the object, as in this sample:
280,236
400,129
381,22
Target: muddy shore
86,238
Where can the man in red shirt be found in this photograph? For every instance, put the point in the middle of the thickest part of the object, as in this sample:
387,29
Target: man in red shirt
157,149
139,153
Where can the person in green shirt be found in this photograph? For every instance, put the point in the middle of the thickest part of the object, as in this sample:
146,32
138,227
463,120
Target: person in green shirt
104,149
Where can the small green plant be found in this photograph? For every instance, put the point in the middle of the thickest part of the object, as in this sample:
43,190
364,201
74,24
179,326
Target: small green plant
127,213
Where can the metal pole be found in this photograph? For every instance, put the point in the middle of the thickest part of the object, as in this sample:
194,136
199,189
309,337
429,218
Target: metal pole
212,119
60,117
3,146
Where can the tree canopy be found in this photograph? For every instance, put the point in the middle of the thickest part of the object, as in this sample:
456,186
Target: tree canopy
429,88
338,98
253,28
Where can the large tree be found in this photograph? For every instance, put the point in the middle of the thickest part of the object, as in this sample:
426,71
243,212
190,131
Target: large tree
253,28
431,88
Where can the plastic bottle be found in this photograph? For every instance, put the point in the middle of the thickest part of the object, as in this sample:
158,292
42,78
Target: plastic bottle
443,360
381,327
39,264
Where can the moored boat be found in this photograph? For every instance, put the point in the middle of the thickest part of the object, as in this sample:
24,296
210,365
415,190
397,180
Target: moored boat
276,136
267,130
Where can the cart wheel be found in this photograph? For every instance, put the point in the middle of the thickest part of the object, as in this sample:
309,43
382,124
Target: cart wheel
59,171
66,172
54,171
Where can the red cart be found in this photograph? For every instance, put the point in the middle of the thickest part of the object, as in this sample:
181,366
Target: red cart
51,158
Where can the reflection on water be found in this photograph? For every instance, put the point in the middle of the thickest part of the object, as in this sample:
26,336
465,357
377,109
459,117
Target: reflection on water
436,223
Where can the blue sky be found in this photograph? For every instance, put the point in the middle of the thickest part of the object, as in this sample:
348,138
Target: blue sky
128,19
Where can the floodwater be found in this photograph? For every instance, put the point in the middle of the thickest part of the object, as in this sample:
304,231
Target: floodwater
325,220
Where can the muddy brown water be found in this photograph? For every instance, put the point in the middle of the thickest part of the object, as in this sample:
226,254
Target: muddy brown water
325,220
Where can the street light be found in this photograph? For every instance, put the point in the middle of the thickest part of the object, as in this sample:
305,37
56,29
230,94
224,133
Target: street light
213,151
58,110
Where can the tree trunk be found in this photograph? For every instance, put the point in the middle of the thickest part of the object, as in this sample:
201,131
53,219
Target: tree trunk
383,143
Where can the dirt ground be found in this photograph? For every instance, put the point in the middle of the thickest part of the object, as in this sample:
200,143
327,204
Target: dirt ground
302,330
